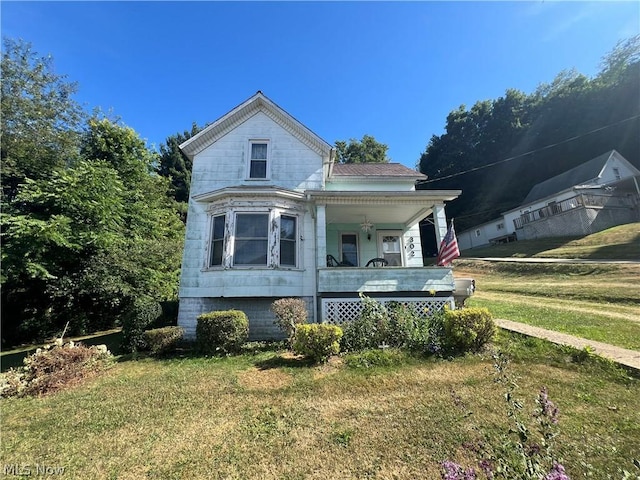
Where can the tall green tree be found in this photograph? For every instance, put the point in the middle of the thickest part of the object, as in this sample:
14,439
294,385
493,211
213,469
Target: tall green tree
367,150
90,232
498,149
174,164
40,120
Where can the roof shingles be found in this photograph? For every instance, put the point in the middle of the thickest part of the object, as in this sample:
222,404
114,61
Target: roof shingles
375,170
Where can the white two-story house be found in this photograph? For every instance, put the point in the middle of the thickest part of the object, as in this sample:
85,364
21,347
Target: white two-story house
272,215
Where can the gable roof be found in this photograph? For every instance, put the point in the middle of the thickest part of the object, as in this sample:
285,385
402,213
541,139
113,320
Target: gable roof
584,173
375,170
257,103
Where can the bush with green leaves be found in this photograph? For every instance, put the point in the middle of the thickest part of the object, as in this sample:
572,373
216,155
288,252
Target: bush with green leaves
159,341
289,312
139,315
222,332
369,330
467,329
53,368
317,341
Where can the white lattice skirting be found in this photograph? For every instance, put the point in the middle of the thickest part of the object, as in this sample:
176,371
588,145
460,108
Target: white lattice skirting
340,310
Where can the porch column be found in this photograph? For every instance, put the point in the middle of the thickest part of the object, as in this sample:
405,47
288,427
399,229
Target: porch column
321,236
440,223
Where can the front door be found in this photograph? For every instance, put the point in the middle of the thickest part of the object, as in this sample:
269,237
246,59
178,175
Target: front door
390,247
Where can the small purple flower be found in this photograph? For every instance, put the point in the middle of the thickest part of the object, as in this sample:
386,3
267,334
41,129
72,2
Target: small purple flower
547,406
487,467
453,471
557,473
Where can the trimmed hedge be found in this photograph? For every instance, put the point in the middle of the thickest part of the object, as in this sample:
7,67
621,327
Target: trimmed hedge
317,341
467,329
163,340
222,331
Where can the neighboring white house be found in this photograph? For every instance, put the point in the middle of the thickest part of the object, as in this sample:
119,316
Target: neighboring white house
596,195
270,212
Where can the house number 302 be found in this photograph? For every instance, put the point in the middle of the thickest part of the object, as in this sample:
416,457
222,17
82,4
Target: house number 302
411,247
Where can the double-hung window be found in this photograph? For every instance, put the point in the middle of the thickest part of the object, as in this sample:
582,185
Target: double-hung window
288,246
217,241
258,159
251,239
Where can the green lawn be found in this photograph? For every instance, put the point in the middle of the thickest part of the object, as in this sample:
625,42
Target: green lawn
597,302
267,415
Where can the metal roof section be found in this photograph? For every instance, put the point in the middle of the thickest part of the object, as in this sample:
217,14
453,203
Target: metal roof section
395,171
583,174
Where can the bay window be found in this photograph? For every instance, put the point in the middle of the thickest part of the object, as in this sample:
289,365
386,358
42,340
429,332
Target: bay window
245,238
288,241
251,239
217,241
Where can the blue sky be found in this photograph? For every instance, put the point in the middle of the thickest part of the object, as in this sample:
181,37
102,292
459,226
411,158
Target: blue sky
344,69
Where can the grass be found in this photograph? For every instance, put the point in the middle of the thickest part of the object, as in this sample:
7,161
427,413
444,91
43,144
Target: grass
268,415
617,243
597,302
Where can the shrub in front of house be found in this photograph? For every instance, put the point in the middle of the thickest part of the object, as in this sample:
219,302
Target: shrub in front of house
317,341
222,332
53,368
159,341
367,331
138,316
467,329
289,312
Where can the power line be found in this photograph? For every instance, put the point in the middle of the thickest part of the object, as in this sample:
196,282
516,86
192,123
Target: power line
546,147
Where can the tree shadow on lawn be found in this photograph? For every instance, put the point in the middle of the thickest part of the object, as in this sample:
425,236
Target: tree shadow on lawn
284,360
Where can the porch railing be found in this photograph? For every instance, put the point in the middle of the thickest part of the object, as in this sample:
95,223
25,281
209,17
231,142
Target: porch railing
579,201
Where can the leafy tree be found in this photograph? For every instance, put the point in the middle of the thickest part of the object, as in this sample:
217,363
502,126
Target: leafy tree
368,150
91,242
497,150
174,164
40,121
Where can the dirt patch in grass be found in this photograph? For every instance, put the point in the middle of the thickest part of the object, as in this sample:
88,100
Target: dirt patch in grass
264,379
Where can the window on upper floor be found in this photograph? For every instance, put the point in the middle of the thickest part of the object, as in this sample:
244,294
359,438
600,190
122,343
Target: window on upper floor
616,173
259,159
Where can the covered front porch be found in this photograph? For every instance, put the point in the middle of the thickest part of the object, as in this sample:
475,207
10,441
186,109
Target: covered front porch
369,243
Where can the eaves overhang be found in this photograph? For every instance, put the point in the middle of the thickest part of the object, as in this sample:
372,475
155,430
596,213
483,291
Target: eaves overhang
240,114
249,193
337,197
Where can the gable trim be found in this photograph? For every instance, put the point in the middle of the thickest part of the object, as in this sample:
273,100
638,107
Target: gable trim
240,114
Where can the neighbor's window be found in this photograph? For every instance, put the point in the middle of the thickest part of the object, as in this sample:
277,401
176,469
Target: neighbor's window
258,160
288,241
251,239
217,241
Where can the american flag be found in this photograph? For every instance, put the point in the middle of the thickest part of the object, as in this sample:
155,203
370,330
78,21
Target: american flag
448,248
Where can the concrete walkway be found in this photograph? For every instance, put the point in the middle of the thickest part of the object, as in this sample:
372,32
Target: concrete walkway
629,358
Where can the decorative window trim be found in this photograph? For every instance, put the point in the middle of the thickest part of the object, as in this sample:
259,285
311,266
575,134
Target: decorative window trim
274,232
212,239
259,141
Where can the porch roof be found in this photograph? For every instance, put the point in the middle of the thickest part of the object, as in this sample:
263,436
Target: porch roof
405,207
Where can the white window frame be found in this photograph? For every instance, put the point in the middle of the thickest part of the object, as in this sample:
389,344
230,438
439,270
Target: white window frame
234,239
274,240
259,141
212,220
296,240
